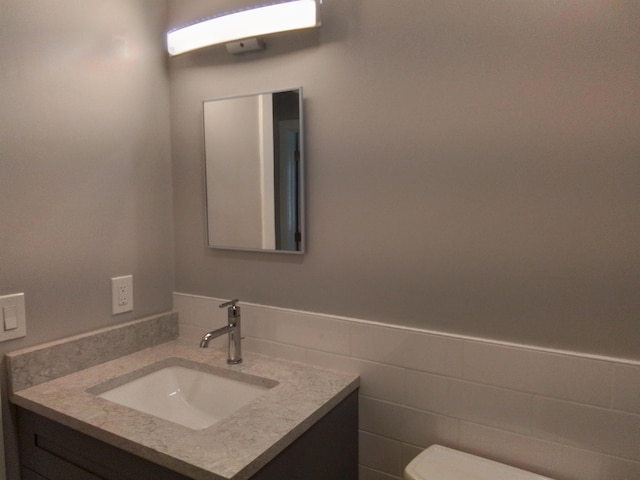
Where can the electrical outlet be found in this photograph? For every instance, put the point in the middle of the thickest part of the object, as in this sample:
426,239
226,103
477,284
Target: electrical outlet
122,294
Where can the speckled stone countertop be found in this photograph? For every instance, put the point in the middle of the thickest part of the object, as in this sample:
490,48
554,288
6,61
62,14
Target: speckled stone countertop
234,448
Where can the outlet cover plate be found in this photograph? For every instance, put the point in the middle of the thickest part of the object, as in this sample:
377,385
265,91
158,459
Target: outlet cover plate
122,294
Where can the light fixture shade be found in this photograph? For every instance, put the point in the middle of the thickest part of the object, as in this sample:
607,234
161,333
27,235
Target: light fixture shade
261,20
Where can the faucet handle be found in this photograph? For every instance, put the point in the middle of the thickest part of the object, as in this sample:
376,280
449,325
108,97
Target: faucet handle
230,303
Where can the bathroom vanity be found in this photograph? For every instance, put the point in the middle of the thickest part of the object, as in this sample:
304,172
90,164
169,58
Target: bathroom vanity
52,451
304,425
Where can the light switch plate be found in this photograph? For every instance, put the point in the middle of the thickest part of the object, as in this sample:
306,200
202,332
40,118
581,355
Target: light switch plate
13,322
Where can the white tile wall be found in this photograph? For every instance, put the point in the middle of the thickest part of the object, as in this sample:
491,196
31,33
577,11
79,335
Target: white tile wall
564,415
557,376
626,388
616,468
594,428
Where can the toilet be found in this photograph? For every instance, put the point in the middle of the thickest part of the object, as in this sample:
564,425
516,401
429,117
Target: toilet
442,463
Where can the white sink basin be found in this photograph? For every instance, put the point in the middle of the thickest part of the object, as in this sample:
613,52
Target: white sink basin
186,396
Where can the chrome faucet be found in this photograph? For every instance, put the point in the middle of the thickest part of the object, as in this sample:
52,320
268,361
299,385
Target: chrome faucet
232,328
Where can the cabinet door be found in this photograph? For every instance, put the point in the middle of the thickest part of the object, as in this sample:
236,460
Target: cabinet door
28,474
55,452
45,452
327,451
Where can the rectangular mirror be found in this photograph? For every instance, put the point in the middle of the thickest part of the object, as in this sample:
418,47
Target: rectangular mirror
254,172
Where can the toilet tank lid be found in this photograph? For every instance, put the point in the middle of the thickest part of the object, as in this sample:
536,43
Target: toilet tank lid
442,463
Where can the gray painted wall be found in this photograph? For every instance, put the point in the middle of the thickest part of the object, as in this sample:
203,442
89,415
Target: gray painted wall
473,167
85,167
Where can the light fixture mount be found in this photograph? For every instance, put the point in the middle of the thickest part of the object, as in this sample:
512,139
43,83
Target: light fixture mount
246,45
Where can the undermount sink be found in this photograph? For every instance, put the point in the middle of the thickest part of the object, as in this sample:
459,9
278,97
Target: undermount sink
187,396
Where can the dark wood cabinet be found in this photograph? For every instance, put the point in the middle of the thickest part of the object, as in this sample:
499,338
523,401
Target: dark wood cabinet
51,451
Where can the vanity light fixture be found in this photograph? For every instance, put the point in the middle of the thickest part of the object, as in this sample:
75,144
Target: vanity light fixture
244,26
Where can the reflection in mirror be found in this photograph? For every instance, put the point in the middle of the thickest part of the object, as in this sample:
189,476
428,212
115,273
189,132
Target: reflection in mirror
253,157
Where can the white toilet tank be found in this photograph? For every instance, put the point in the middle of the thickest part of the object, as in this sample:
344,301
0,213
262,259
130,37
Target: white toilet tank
442,463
